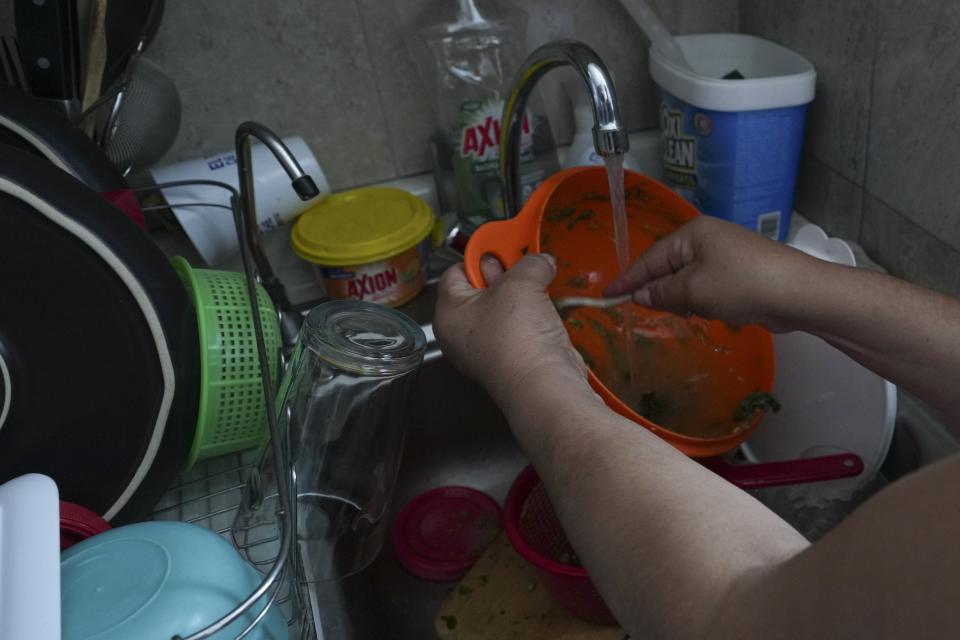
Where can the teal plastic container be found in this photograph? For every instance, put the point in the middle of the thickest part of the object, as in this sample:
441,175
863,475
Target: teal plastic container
157,580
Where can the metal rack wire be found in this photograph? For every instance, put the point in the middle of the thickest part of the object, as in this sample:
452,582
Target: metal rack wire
210,495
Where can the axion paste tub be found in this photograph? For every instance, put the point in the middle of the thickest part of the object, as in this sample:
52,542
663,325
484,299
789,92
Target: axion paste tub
367,244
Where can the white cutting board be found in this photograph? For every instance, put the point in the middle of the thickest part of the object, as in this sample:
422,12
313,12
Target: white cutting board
29,559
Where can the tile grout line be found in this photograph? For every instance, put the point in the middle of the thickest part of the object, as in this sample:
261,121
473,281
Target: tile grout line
376,75
866,158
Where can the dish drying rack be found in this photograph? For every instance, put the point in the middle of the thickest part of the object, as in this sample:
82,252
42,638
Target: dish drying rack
210,494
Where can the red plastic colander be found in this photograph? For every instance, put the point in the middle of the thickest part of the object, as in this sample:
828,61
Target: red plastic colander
535,532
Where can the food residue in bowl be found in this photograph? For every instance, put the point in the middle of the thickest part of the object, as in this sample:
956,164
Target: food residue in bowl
695,377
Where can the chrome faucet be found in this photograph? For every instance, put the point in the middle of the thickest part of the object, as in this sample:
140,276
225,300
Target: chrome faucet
609,133
303,184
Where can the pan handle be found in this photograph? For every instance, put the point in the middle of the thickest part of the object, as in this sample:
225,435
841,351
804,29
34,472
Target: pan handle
507,240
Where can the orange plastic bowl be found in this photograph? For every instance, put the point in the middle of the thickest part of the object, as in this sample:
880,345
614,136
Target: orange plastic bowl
707,367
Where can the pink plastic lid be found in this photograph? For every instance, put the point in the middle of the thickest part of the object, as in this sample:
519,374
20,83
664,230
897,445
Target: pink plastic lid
442,532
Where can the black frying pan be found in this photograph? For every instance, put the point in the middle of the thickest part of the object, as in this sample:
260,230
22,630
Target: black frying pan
35,126
99,371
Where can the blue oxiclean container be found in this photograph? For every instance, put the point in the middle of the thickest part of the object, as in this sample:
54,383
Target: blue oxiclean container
731,131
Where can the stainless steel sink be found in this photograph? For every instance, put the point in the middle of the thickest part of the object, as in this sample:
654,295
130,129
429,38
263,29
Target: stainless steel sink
455,436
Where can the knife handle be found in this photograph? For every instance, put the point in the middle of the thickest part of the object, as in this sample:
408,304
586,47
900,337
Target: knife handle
47,36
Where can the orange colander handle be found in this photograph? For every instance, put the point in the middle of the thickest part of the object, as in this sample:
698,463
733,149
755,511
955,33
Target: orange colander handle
506,240
509,240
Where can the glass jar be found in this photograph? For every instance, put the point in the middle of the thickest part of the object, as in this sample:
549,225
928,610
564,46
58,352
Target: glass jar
343,403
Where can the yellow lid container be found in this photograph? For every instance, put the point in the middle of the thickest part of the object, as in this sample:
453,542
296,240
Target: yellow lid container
367,244
361,226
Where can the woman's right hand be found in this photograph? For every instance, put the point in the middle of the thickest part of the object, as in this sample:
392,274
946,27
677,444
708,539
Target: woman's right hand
717,270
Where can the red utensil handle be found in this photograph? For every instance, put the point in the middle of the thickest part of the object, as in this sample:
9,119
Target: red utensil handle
774,474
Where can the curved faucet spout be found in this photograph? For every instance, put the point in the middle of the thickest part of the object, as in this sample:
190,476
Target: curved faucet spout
609,133
305,187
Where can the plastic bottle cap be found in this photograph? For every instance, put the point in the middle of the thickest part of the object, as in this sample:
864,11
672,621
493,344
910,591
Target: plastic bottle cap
442,532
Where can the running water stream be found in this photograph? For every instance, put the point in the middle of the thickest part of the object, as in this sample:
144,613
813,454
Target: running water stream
614,165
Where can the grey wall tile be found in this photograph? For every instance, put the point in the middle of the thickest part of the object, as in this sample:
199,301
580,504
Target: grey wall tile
915,128
907,250
298,67
607,27
828,199
403,92
342,73
838,38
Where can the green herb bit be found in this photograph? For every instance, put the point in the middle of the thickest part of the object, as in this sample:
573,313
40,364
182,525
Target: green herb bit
644,342
450,621
584,215
575,323
562,214
464,590
633,193
525,250
601,331
653,406
578,282
615,314
756,401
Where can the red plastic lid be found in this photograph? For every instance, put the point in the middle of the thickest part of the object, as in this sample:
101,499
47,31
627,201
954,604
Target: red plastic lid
442,532
78,523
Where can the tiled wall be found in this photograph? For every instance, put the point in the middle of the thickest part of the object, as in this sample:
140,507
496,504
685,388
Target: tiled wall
343,73
883,140
882,151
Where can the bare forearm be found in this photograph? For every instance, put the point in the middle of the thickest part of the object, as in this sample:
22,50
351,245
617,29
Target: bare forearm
719,270
679,553
905,333
660,534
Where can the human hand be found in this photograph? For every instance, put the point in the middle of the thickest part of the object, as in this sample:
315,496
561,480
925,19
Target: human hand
508,335
718,270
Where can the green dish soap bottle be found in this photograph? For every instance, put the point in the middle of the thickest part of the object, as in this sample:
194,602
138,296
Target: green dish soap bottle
476,47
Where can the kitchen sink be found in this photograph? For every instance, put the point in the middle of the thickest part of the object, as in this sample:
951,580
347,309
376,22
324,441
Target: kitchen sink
455,436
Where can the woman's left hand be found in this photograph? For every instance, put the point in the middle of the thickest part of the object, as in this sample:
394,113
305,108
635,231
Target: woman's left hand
508,335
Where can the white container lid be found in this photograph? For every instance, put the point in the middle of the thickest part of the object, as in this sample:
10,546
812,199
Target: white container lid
773,76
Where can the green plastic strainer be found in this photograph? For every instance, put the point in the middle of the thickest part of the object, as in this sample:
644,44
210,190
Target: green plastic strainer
232,415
